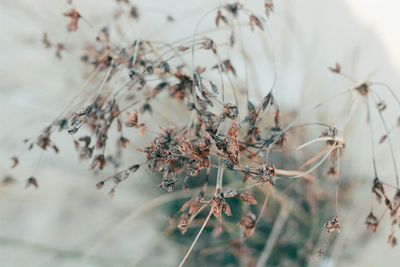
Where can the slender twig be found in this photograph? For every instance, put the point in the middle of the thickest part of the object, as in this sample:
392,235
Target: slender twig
195,240
273,238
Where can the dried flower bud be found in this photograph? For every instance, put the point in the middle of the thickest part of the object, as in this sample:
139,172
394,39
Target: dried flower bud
8,180
123,142
381,106
319,255
331,171
15,162
134,168
363,89
392,240
99,161
168,185
232,144
133,120
336,69
395,205
183,224
74,19
32,182
100,184
229,193
255,21
378,190
231,111
193,205
219,18
218,204
247,198
269,7
226,209
111,193
45,40
383,138
371,222
248,223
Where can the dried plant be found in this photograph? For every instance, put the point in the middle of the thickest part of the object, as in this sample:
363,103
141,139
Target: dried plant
246,195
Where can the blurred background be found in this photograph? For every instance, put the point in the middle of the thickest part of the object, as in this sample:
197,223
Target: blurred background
67,222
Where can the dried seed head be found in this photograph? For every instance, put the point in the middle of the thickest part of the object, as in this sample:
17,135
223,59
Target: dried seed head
100,184
332,225
371,222
134,168
45,40
99,161
231,111
220,17
248,223
319,255
363,89
247,198
383,138
395,204
255,21
229,193
134,12
269,7
331,171
8,180
32,182
233,8
74,17
336,69
378,190
219,205
168,185
123,142
15,162
392,240
232,144
183,224
193,205
133,120
381,106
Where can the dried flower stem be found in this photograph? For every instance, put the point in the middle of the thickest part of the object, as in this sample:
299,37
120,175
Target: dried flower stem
273,237
197,238
390,143
219,177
